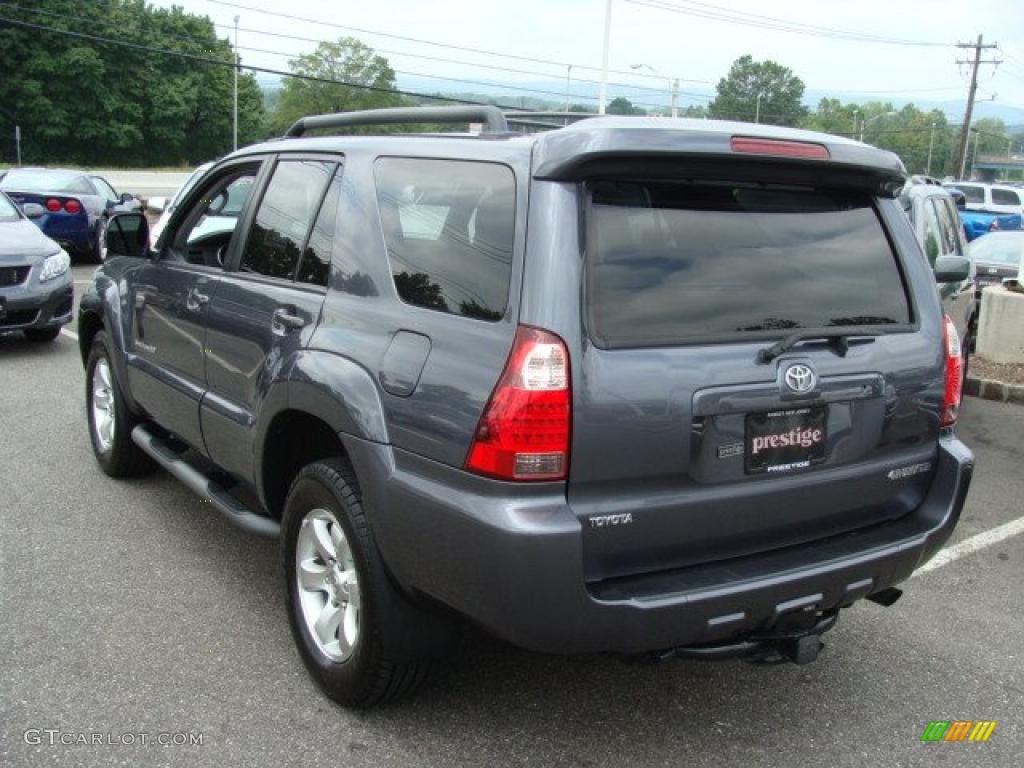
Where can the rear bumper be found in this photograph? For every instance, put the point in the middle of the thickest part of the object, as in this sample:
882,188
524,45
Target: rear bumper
37,306
513,563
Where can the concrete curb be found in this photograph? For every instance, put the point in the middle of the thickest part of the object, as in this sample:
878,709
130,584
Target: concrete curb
989,389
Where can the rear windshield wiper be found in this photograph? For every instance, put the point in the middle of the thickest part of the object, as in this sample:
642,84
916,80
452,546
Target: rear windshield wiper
840,343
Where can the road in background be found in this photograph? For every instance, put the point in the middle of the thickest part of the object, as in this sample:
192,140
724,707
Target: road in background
145,184
130,607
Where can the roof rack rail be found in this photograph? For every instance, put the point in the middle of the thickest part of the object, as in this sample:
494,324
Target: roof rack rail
513,117
492,117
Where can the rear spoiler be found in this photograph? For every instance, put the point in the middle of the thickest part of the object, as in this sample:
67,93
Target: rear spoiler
589,151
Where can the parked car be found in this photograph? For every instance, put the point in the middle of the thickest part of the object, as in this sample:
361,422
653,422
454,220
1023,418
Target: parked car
978,223
165,207
36,290
938,228
997,257
634,385
76,205
991,198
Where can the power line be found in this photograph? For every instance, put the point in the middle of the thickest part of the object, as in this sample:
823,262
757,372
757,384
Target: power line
251,68
451,46
718,13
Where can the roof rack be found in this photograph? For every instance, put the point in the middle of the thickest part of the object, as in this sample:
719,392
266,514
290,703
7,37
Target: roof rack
492,117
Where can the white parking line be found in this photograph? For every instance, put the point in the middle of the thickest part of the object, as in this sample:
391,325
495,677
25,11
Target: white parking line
973,544
69,334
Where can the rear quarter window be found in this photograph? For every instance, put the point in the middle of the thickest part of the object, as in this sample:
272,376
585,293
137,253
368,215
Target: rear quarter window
1005,197
449,228
670,263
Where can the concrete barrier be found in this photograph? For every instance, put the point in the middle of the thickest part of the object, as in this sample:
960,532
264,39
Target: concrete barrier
1001,329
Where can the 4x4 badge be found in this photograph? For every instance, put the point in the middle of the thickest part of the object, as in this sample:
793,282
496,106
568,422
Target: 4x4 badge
800,378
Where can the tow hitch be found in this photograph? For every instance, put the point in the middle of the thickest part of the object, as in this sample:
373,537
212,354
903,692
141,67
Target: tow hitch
795,638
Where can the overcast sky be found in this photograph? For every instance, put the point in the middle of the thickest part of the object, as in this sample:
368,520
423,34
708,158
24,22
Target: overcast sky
674,44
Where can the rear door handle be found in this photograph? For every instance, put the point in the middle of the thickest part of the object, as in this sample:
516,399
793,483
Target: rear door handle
284,319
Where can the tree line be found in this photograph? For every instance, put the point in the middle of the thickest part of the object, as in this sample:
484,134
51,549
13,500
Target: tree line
168,100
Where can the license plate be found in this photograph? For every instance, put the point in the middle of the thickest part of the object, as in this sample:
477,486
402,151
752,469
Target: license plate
783,441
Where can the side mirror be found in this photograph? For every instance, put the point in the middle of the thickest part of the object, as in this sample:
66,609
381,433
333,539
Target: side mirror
156,204
952,269
127,235
33,210
127,197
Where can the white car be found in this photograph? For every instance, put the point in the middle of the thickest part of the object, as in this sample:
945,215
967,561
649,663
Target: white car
991,198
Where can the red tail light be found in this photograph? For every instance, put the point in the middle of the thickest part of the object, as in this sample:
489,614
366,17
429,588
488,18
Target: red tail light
524,431
954,374
53,205
779,148
72,206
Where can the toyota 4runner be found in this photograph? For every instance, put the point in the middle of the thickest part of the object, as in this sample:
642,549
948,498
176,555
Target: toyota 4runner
631,385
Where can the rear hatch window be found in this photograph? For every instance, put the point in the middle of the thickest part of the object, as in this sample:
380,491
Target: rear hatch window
674,263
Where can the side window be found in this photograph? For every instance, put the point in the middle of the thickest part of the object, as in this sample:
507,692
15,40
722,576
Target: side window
933,235
315,266
957,232
285,217
206,229
449,227
104,188
1005,197
949,238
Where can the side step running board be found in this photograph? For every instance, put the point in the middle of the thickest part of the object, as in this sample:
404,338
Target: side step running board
235,511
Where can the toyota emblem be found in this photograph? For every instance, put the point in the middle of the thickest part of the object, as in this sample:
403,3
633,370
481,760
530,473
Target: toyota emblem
800,378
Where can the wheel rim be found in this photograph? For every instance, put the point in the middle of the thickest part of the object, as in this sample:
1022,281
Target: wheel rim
103,416
328,585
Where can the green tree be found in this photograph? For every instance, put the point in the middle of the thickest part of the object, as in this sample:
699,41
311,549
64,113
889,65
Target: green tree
781,93
87,102
358,79
832,116
622,106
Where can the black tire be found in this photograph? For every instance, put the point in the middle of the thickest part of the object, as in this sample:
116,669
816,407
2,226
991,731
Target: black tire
122,458
41,334
396,641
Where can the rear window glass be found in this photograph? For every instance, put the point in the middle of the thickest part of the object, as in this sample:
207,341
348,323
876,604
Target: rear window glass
47,181
1005,197
449,227
671,262
972,193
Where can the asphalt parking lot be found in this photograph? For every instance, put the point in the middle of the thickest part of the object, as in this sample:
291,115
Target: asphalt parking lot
130,608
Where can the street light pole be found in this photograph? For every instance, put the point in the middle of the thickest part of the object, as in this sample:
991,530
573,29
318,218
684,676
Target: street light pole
931,145
236,86
603,96
974,157
675,97
568,80
757,109
854,136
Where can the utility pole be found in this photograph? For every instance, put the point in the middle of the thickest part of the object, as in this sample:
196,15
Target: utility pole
603,96
675,97
237,62
568,80
17,141
974,157
931,145
757,109
969,113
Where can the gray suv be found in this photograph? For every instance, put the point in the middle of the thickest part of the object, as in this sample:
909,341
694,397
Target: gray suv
641,386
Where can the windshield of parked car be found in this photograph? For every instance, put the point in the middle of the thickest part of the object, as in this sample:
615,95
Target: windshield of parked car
57,182
7,210
670,262
996,249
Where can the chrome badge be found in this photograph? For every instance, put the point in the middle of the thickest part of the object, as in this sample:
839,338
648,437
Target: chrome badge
800,378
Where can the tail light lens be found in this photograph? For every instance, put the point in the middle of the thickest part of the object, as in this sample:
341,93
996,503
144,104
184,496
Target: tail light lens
72,206
779,148
954,374
53,205
524,431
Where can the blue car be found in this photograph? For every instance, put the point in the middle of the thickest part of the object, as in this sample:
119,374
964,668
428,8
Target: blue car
76,206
